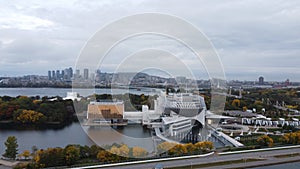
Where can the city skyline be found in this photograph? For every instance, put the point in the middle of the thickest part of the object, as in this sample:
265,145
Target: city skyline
68,73
249,44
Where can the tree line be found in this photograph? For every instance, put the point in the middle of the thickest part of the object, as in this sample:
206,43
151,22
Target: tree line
292,138
80,155
29,111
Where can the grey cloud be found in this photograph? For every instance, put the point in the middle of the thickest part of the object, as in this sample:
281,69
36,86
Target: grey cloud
249,34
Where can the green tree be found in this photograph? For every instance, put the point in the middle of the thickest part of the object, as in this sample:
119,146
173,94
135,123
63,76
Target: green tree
106,156
50,157
11,147
72,154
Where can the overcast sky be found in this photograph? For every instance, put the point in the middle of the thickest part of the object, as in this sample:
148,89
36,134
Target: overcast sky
252,37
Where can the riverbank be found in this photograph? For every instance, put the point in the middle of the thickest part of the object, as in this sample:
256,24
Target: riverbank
11,125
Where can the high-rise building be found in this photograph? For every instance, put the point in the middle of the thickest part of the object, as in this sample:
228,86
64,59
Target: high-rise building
86,73
49,74
261,80
57,74
53,74
77,74
62,74
70,72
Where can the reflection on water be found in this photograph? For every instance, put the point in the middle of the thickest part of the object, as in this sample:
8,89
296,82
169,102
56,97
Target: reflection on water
72,134
75,134
132,135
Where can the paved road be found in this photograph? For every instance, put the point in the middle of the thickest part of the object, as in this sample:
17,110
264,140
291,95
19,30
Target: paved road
215,158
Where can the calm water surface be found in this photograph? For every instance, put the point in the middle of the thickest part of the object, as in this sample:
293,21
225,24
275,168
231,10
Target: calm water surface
13,92
75,134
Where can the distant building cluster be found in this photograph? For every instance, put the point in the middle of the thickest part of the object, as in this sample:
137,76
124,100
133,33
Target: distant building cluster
90,78
63,75
261,83
139,79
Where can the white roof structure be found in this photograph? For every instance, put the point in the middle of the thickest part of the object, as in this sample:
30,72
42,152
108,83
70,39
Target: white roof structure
72,96
259,116
215,116
210,115
173,119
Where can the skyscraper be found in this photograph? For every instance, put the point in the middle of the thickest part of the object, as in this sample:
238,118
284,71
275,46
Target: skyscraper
86,74
77,74
62,74
70,72
53,75
49,74
57,74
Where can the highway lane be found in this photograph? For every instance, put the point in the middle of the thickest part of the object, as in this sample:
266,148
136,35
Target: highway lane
217,158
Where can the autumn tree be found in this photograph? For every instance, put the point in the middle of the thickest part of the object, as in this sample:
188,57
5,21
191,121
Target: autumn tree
291,138
165,146
138,152
190,148
177,150
106,156
115,150
203,146
124,151
265,141
26,154
29,116
236,103
11,147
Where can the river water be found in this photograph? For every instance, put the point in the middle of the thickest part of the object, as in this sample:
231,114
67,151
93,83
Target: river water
13,92
132,135
74,134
